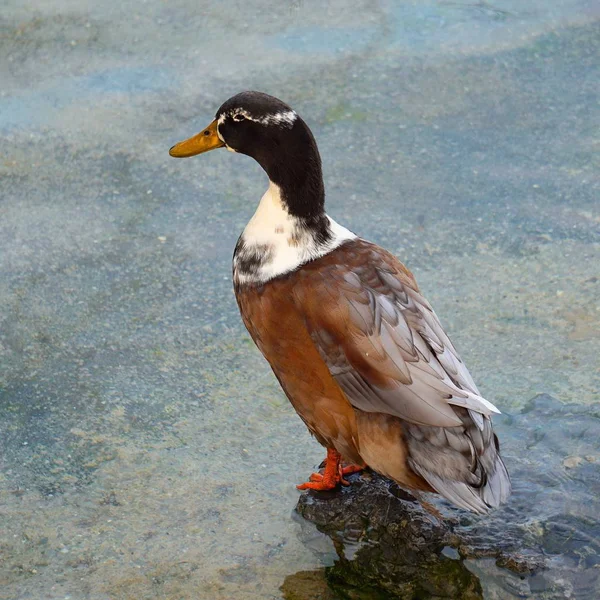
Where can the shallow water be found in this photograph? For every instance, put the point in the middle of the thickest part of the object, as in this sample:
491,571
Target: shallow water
146,450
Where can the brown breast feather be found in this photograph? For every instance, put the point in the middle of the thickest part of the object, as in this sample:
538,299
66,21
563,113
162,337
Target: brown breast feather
278,329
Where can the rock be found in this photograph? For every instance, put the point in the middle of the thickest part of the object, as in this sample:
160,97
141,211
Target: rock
388,542
307,585
572,461
546,540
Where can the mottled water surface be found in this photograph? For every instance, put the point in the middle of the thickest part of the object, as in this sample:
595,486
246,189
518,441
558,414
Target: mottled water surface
146,451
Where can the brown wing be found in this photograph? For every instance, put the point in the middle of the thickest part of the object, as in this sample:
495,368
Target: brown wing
388,352
383,343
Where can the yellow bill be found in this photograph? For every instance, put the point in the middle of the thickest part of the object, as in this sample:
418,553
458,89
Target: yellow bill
203,142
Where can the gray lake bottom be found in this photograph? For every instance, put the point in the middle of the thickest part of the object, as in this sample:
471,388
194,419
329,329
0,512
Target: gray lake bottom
146,450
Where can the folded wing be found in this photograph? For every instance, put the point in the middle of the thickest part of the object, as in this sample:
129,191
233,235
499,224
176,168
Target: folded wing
387,350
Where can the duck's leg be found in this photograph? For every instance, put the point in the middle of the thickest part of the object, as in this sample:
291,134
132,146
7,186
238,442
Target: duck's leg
330,478
333,475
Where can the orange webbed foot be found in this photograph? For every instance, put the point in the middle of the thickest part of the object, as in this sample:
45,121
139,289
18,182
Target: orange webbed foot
322,482
333,474
321,486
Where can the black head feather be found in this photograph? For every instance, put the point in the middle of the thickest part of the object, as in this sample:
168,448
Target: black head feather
268,130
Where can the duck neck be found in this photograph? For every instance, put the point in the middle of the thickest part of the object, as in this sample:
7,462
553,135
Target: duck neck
276,242
296,170
290,226
300,182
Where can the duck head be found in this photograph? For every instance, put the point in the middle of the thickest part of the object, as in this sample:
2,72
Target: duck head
271,132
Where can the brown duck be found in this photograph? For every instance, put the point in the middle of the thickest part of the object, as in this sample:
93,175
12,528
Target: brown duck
356,347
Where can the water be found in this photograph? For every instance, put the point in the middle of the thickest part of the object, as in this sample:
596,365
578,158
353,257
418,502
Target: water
145,449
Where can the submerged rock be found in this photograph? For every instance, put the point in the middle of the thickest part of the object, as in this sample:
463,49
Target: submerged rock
307,585
545,543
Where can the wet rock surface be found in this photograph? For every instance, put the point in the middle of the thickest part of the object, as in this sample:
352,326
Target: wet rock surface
545,543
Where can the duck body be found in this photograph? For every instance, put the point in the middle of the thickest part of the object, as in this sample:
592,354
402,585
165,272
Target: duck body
299,323
348,338
357,349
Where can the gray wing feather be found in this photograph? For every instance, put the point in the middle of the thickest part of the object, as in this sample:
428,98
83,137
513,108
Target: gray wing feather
399,334
460,463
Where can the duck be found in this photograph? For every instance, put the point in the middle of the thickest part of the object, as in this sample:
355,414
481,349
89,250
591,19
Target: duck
356,347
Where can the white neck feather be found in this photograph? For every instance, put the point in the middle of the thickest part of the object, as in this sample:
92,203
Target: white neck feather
275,242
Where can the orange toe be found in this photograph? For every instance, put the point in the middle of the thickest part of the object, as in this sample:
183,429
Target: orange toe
349,469
318,485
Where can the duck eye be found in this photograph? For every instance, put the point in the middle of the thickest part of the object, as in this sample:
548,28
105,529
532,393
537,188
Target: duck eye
239,117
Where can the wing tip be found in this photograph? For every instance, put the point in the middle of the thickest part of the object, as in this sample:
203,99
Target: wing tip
492,407
478,404
498,486
482,500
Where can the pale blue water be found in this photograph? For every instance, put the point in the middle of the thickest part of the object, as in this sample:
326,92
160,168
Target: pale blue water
146,450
